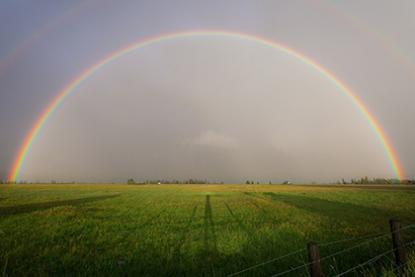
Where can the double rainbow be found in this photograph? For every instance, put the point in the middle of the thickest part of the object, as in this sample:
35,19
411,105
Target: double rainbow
88,72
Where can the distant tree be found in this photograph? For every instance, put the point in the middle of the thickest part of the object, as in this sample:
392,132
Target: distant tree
131,181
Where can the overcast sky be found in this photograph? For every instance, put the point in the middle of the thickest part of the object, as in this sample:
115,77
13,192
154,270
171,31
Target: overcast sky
216,108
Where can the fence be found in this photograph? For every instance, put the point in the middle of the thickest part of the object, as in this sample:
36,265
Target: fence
314,260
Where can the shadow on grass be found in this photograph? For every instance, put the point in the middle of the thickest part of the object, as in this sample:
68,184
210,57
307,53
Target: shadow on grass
153,259
28,208
245,228
209,228
257,242
351,213
264,212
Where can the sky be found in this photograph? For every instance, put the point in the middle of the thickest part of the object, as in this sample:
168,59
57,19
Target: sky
209,107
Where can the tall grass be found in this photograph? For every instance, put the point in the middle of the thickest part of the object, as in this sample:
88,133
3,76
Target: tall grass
188,230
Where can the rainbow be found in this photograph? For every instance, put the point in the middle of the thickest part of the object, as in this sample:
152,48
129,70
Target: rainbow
88,72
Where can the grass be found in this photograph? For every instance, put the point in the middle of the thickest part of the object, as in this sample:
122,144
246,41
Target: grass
187,230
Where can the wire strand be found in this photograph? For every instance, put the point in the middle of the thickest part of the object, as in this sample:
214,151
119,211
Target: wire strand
370,237
329,256
347,240
373,260
365,263
299,251
363,237
267,262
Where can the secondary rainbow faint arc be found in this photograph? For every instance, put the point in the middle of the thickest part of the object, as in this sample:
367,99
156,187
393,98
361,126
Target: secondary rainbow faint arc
54,104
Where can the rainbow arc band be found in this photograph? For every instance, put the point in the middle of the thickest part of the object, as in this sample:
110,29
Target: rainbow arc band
57,101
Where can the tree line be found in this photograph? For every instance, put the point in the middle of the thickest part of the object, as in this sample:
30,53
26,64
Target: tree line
131,181
378,181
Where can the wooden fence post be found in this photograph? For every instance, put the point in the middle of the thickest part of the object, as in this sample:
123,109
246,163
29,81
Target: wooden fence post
397,242
314,259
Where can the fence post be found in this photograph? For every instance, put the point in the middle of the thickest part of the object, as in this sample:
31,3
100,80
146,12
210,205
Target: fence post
397,242
314,259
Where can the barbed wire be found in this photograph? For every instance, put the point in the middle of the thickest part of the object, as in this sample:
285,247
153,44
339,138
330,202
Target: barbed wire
364,237
335,254
291,270
373,260
299,251
406,227
267,262
369,237
350,239
326,257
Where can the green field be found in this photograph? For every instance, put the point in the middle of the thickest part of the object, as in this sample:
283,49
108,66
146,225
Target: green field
193,230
